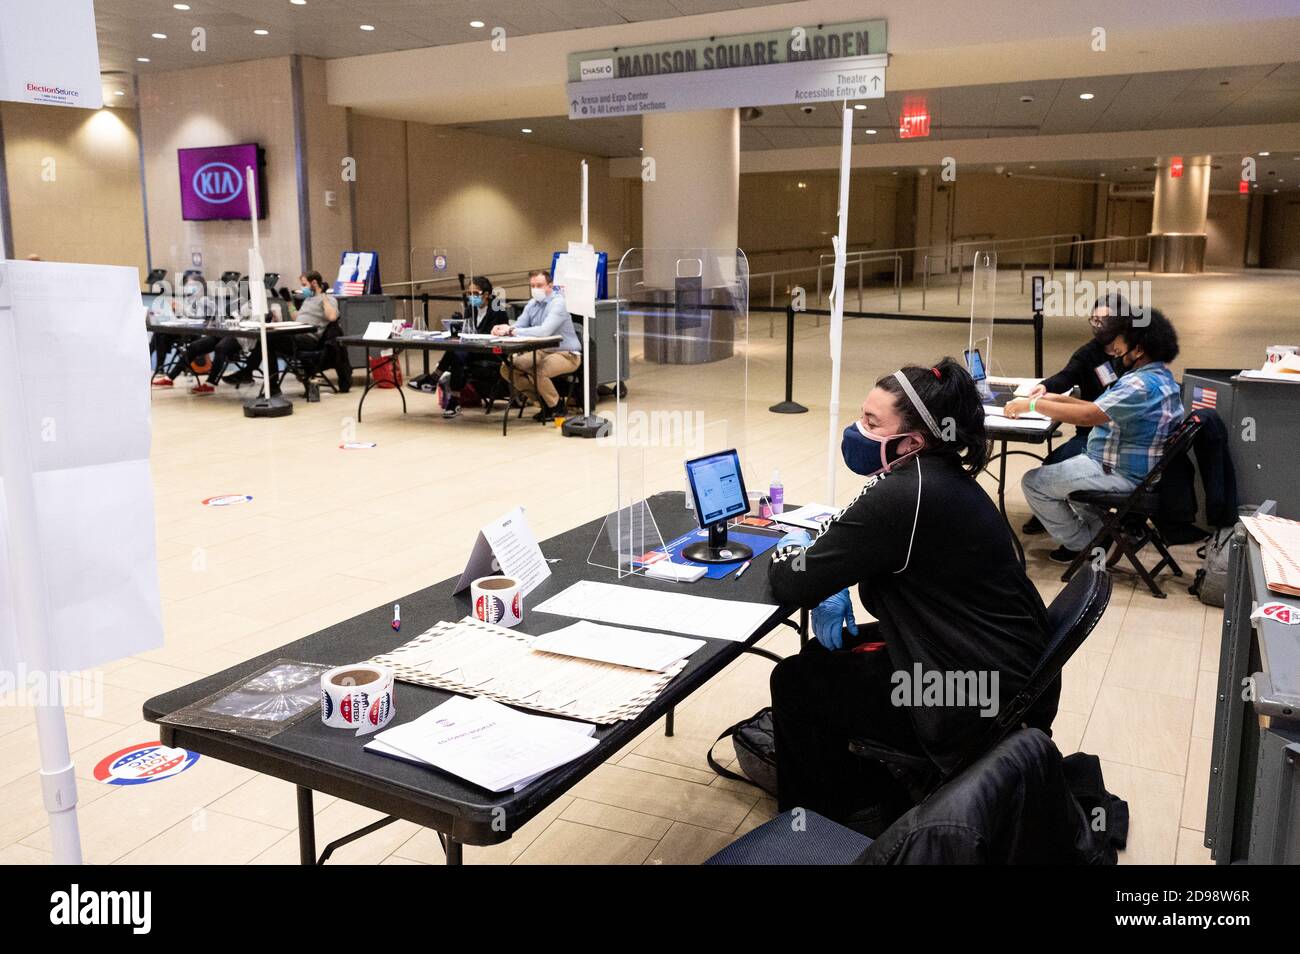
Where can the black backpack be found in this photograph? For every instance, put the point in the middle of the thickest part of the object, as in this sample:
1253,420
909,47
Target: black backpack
755,751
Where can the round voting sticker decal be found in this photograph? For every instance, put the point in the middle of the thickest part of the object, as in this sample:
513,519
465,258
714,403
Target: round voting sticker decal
357,445
490,609
227,500
440,263
143,762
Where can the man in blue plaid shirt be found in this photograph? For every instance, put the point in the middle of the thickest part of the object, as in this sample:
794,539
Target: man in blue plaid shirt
1130,420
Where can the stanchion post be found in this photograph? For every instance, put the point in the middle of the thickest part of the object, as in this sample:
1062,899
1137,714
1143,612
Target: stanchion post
789,405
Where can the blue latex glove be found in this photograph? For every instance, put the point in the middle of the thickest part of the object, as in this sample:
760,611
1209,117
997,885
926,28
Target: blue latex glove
830,617
796,538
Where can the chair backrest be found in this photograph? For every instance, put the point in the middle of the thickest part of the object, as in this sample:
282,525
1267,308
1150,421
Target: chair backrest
1071,617
1178,443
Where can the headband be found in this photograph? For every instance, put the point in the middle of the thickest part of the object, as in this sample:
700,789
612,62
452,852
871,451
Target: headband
918,404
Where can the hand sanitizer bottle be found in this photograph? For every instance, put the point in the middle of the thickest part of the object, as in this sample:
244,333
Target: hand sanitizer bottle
776,493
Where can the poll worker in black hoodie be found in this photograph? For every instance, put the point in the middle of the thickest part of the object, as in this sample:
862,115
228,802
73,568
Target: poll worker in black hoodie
934,563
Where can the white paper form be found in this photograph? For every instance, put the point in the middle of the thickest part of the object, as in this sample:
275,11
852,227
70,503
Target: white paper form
510,540
90,458
486,743
348,267
614,644
480,659
734,620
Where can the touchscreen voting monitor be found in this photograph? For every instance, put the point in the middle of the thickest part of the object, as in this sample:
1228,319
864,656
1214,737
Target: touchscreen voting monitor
975,364
719,490
988,394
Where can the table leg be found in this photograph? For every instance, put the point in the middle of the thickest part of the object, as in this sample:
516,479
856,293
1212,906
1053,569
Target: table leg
668,722
1002,502
510,400
803,626
455,852
369,384
306,828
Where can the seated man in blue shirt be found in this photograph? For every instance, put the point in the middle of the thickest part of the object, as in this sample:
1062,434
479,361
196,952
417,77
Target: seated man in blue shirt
546,315
1130,422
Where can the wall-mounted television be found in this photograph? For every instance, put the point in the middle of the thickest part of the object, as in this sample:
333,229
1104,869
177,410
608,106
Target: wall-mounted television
213,181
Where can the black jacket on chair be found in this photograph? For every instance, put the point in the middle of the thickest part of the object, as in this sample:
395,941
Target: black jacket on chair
1218,483
1013,806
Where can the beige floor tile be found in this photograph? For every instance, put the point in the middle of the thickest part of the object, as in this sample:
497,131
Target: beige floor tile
1154,799
1154,663
687,845
616,819
1207,695
22,855
1140,729
1177,616
1080,680
24,807
1196,785
1211,638
568,843
1067,731
337,819
424,846
764,810
268,801
207,838
679,800
1191,848
658,767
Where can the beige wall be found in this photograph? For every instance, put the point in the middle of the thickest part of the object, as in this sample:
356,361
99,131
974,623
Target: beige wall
511,204
1280,241
74,184
998,207
214,106
327,147
379,146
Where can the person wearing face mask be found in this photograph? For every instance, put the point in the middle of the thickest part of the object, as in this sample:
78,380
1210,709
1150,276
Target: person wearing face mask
456,368
934,564
544,316
320,309
198,304
1130,422
1090,369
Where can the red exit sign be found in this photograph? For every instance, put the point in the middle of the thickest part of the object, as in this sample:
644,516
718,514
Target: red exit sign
914,126
1176,167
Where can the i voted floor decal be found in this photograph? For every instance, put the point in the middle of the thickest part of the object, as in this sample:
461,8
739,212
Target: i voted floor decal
227,500
143,762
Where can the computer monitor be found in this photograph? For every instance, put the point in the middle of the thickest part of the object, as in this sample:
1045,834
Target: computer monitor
718,487
975,365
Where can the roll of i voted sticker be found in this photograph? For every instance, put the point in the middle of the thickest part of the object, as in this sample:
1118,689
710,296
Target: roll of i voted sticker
497,599
1278,612
359,696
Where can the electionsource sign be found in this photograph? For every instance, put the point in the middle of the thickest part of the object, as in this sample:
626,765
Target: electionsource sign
799,65
49,54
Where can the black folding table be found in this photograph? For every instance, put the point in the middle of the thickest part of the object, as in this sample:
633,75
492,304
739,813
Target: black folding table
314,757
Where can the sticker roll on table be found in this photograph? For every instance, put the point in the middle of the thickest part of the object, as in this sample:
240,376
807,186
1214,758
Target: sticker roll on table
497,599
359,696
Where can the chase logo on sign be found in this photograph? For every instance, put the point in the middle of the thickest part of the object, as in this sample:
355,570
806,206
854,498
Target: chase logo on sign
143,762
217,182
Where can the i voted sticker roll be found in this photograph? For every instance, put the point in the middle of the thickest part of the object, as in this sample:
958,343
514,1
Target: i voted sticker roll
497,599
359,696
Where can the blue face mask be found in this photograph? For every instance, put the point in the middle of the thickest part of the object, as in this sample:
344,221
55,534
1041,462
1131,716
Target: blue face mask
866,454
475,301
307,292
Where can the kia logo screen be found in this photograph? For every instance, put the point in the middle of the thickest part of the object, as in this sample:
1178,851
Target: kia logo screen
213,182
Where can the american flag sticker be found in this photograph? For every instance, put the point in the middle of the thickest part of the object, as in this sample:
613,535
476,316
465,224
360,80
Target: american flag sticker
1204,398
353,288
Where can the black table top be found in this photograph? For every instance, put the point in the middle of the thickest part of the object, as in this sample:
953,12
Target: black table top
483,346
219,331
998,430
332,761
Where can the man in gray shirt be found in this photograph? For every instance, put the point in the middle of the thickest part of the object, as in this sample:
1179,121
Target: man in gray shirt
545,316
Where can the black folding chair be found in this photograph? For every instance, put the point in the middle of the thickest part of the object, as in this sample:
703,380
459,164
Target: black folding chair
1070,618
1128,518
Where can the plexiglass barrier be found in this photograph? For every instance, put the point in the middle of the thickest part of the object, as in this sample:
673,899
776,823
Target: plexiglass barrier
984,287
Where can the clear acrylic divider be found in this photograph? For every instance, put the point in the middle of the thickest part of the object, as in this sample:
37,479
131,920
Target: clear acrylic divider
984,287
680,346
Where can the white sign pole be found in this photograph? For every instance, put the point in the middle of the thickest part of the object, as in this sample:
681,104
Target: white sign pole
256,279
837,304
31,604
586,331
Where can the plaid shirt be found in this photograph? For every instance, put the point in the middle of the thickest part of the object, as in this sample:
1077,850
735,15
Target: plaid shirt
1144,407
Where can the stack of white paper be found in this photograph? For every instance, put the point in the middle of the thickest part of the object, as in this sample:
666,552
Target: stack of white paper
614,644
735,620
486,743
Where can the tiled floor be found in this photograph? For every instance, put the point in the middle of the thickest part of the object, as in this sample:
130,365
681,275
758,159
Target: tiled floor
331,533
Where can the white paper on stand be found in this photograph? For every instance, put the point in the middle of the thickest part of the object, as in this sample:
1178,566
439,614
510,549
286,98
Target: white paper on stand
90,459
734,620
509,542
575,272
348,267
614,644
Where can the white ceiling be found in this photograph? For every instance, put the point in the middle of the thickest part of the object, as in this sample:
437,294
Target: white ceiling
332,28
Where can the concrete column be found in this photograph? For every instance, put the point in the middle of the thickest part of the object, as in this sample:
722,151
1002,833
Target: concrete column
1178,216
690,206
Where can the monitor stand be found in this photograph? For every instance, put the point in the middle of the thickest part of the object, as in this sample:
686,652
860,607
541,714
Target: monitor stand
717,549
